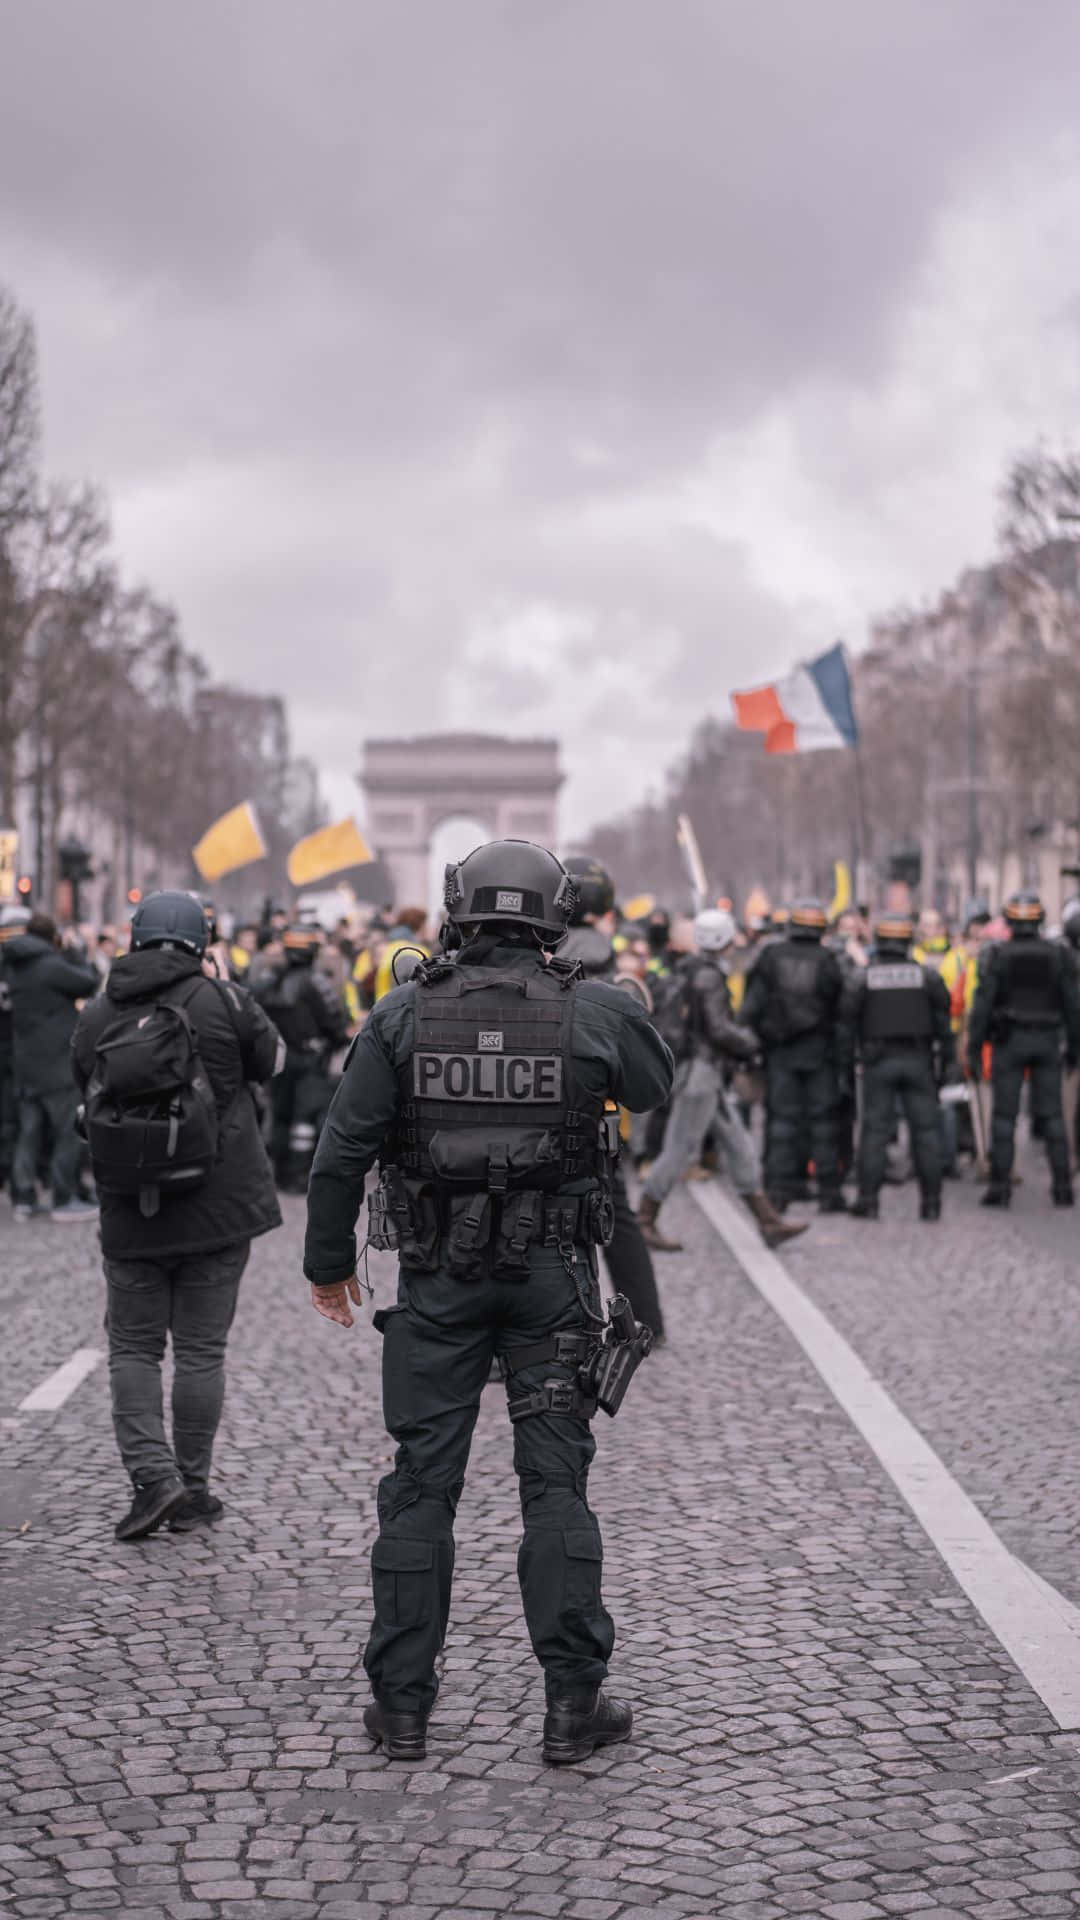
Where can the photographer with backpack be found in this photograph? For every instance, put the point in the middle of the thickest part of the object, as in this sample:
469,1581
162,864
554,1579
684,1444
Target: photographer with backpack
164,1058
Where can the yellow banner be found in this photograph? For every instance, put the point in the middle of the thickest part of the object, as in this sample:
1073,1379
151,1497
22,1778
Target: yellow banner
233,841
841,899
640,907
328,851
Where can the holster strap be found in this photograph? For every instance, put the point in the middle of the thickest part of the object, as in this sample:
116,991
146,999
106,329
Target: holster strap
555,1396
569,1349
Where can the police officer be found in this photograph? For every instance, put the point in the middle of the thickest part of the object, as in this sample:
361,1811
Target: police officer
895,1015
1027,999
481,1085
311,1017
792,1001
1070,1090
589,943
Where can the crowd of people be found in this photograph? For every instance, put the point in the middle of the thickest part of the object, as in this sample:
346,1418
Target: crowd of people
507,1068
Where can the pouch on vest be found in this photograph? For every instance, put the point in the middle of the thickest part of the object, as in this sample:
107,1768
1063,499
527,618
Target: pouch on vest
514,1158
470,1231
521,1223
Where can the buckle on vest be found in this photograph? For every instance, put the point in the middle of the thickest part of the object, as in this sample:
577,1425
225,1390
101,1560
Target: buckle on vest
498,1168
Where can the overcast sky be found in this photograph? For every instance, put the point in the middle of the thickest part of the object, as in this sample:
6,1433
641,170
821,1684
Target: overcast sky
551,365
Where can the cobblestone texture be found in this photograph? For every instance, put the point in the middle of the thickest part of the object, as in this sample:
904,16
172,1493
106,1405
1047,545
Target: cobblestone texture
824,1727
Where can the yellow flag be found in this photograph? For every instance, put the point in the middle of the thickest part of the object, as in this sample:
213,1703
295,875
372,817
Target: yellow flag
233,841
328,851
841,899
640,907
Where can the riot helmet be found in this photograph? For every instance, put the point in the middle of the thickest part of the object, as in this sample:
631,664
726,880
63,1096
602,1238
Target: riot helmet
511,883
594,886
301,944
894,930
714,929
1024,912
808,920
170,919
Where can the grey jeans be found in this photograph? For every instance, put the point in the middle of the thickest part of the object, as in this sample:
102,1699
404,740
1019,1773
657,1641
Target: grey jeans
193,1297
698,1102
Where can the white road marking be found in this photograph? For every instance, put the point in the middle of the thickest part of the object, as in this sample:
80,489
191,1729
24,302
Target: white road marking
59,1386
1037,1631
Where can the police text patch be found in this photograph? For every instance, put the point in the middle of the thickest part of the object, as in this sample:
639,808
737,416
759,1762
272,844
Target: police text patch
883,974
518,1079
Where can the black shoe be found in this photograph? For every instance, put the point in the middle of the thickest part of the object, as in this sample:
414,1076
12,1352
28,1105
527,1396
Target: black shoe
151,1505
930,1206
402,1736
865,1207
1063,1195
199,1510
996,1196
832,1203
575,1724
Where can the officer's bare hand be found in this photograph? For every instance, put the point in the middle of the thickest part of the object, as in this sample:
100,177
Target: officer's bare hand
333,1302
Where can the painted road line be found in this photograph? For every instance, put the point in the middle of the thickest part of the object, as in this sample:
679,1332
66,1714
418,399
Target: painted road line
59,1386
1034,1629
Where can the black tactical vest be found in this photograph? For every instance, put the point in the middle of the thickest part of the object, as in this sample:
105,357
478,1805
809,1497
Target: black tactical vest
897,1002
1030,993
796,974
489,1101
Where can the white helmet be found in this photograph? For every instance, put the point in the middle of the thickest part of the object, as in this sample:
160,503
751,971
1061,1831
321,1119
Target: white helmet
714,929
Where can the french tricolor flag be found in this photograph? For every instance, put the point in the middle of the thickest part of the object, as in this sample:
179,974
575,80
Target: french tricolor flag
806,711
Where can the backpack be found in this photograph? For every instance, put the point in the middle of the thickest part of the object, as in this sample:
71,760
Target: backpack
151,1118
674,1013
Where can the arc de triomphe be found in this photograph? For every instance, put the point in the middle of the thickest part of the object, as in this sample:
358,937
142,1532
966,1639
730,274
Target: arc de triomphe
410,787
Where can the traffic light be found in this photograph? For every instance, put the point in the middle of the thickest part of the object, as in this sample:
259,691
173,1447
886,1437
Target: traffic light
24,886
134,896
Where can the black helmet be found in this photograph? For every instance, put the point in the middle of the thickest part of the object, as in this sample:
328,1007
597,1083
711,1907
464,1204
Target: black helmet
894,930
510,883
808,920
1025,912
595,888
172,919
301,944
1070,920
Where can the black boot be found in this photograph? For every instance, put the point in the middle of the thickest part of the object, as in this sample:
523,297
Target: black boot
930,1206
865,1207
152,1504
832,1201
199,1510
402,1736
996,1196
1062,1194
575,1724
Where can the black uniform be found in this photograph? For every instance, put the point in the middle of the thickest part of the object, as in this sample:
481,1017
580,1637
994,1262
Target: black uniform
312,1020
482,1086
792,1001
627,1258
895,1016
1026,1002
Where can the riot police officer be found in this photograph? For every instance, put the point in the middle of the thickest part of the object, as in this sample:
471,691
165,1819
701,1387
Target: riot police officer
481,1085
589,943
311,1017
1027,1000
895,1015
792,1001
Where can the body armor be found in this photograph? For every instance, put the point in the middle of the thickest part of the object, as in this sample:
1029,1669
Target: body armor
796,972
493,1125
294,1003
1030,995
897,1004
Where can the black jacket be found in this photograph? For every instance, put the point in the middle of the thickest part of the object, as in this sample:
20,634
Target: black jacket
617,1054
44,983
1007,997
793,992
237,1044
713,1034
305,1007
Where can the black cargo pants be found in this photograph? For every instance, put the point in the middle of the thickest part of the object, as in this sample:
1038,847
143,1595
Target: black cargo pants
901,1075
801,1094
438,1345
300,1096
1037,1049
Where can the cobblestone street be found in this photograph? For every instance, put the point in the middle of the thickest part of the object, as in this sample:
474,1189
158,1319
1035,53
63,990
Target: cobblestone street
825,1726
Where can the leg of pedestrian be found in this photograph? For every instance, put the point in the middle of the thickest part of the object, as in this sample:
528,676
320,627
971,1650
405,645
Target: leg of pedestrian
1047,1111
691,1110
744,1172
137,1320
67,1152
31,1122
629,1262
878,1109
919,1096
1007,1084
205,1292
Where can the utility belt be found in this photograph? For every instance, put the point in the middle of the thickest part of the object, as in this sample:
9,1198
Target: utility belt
429,1226
604,1365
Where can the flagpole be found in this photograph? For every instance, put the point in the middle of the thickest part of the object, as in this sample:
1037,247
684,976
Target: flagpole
862,845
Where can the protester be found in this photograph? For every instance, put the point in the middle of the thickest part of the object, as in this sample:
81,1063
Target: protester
47,978
174,1255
